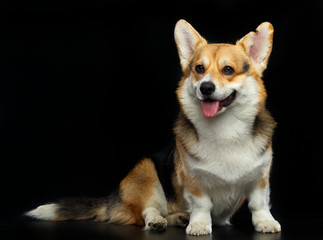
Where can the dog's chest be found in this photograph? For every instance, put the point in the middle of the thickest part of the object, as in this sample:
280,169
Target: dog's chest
226,151
227,162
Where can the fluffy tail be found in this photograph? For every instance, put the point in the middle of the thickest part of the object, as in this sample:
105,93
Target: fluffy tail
98,209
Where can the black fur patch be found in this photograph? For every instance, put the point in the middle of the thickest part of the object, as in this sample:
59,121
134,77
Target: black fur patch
263,127
246,66
164,164
184,128
74,208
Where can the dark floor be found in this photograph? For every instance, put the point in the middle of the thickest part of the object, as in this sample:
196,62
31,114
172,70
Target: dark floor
292,229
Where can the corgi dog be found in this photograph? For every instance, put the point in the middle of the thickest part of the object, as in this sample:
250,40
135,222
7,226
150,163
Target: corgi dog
221,155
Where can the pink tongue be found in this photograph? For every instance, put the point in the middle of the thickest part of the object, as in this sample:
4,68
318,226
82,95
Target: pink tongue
210,108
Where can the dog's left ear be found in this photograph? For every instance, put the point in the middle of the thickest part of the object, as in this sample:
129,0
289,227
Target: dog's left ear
188,40
258,45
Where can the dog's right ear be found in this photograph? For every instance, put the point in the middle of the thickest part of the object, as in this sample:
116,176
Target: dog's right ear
187,40
258,45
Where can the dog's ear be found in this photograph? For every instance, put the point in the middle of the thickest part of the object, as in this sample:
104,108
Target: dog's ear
187,40
258,45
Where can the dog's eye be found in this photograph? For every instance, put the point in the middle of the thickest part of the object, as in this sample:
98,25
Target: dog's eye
199,69
227,70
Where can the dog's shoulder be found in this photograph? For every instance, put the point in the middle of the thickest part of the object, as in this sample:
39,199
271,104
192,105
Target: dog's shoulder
263,129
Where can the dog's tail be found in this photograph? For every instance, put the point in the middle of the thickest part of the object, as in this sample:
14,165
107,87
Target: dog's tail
109,209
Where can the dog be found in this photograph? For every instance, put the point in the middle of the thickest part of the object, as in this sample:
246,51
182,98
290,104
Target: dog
221,154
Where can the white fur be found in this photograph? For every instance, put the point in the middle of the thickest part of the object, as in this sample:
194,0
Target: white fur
227,159
259,207
158,200
156,208
200,218
232,126
44,212
205,61
152,216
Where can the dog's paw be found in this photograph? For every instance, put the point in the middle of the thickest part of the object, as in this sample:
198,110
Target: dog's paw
268,225
199,228
157,224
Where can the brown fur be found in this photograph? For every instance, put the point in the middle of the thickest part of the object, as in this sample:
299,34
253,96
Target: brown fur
137,188
193,185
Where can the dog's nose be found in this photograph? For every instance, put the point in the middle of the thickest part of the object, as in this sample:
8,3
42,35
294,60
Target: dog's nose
207,88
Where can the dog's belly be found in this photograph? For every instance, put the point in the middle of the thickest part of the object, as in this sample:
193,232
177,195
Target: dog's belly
226,200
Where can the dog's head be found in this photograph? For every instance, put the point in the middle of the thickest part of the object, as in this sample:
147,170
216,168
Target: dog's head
219,76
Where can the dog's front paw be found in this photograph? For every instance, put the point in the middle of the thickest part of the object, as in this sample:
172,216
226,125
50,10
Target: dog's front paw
199,228
267,225
157,224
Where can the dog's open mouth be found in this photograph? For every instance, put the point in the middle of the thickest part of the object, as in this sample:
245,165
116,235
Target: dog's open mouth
211,107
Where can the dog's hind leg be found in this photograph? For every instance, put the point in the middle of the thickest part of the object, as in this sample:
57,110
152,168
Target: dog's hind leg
142,192
154,220
155,208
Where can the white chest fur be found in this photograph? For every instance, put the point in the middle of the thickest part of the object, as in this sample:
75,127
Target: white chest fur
221,163
227,172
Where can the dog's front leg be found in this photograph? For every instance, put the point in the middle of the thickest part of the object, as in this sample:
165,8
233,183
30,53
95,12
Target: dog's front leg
262,219
200,206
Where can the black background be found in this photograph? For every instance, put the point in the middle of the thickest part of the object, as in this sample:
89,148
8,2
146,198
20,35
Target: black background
88,87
